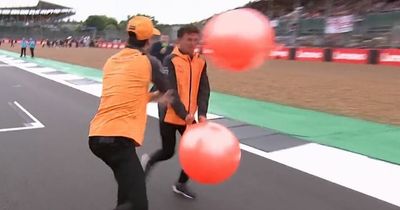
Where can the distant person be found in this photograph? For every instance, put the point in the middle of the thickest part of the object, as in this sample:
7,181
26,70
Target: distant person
24,44
162,48
12,43
32,45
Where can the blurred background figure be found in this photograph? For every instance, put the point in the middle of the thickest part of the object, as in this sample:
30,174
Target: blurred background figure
32,45
161,48
24,44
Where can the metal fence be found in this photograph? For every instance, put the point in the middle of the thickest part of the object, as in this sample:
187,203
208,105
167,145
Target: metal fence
374,30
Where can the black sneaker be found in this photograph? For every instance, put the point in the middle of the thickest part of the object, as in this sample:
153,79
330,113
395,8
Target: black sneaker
145,164
125,206
183,190
144,160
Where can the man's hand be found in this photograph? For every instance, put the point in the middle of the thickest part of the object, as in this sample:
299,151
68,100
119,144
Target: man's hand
154,96
165,98
189,119
163,50
202,119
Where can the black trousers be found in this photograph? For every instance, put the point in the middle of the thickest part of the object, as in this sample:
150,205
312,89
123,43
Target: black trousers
168,139
119,153
23,52
32,52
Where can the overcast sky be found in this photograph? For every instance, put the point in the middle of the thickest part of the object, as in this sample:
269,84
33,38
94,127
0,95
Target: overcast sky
165,11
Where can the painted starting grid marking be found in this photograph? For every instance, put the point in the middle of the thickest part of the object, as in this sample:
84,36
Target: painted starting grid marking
33,125
357,172
93,89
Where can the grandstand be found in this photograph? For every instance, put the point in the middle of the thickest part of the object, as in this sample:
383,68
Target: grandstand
319,23
38,21
43,12
334,23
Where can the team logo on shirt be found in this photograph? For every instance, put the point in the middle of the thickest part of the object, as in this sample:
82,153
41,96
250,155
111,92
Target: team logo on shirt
164,70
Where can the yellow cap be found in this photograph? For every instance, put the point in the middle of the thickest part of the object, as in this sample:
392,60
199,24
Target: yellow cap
143,27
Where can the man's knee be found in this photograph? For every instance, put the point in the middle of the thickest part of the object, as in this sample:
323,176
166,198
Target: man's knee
167,154
170,153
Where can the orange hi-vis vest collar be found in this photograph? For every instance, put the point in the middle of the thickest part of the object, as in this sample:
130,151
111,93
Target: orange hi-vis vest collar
122,109
188,73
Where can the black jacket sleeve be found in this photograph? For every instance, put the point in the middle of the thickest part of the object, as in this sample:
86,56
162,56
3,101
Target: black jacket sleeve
204,93
155,50
177,104
159,77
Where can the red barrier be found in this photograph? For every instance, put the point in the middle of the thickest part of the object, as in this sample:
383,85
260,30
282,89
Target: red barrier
280,54
309,54
389,57
356,56
111,45
341,55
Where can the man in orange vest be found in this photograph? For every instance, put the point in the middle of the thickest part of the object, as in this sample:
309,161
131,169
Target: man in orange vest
119,124
187,73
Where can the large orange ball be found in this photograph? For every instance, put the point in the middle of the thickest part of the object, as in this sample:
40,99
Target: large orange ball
209,153
238,40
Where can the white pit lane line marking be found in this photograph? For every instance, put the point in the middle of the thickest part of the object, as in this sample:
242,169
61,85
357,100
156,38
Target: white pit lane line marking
34,125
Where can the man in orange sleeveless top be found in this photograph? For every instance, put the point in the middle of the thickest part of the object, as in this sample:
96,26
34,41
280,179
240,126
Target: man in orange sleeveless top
188,76
119,124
